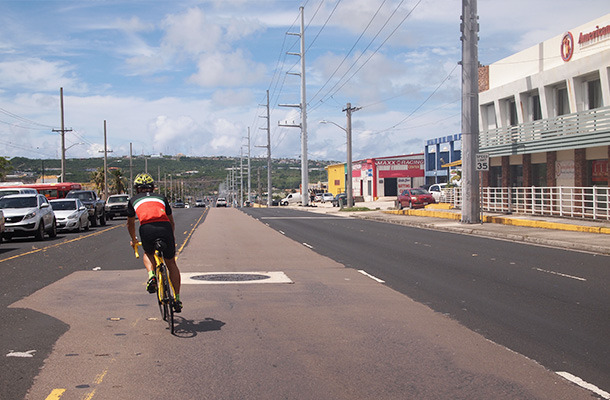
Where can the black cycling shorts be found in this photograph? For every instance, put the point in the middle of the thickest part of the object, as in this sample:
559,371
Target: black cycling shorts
158,230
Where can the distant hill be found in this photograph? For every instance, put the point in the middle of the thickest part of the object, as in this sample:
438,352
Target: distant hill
202,175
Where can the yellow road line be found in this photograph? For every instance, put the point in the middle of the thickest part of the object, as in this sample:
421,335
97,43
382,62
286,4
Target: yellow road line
55,394
191,233
59,244
89,396
100,377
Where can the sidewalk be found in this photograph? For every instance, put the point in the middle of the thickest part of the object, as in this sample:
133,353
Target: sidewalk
573,234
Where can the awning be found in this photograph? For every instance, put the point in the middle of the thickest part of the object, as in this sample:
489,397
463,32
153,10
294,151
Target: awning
452,164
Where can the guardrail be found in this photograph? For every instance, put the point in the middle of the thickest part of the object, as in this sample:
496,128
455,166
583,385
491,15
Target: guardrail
570,202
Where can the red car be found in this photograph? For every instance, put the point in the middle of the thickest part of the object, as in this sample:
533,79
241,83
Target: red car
414,198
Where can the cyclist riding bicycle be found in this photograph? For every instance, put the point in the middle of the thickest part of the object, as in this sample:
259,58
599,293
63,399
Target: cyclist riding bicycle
156,222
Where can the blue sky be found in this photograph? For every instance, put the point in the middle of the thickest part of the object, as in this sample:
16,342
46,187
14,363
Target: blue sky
190,76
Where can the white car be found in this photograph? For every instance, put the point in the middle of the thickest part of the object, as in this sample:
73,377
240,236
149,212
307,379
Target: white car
221,202
436,190
327,197
71,214
27,215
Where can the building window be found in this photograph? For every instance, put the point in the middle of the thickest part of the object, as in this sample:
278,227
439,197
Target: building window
594,94
539,175
512,113
563,104
535,108
489,116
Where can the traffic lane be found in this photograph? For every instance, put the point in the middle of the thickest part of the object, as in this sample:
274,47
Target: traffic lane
493,287
29,266
332,334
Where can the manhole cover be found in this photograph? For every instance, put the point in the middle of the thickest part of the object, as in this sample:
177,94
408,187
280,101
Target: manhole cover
230,277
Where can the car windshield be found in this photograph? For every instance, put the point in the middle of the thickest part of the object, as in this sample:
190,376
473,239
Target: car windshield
83,196
63,205
118,199
418,191
18,202
6,192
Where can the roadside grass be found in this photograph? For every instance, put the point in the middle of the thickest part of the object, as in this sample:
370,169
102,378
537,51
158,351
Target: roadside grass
355,209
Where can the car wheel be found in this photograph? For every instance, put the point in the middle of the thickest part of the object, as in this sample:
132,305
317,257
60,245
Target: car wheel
7,238
103,219
40,232
110,216
53,230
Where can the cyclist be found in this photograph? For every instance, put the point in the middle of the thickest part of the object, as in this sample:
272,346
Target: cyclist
156,222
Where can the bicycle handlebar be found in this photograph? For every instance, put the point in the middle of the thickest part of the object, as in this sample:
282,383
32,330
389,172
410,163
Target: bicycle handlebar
135,249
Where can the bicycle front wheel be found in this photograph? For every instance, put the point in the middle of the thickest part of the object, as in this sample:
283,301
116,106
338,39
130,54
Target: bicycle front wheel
161,295
168,302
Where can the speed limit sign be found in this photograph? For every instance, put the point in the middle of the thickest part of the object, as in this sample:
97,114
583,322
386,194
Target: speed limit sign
482,162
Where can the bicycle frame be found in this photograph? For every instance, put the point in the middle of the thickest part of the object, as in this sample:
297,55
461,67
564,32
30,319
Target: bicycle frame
166,295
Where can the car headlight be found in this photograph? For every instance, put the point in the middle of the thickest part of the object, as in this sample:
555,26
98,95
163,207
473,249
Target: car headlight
74,215
30,215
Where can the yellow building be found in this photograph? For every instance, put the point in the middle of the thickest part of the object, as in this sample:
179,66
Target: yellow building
336,178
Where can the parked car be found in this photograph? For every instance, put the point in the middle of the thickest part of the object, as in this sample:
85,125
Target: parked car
70,214
179,204
7,191
27,215
116,206
318,197
290,199
221,202
340,200
1,224
436,190
414,198
199,203
327,197
95,205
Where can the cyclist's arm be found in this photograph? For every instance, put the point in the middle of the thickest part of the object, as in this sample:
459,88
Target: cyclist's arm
171,221
131,228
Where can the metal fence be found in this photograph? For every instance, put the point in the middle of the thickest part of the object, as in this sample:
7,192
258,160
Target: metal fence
573,202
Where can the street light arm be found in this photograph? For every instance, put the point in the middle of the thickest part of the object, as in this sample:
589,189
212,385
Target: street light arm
335,124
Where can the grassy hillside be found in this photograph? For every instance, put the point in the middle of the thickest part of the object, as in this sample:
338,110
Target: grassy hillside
200,175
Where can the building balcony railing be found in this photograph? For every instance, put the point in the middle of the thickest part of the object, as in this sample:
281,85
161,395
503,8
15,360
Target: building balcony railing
570,202
578,130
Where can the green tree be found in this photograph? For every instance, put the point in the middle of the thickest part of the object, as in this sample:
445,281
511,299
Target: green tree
97,179
118,182
5,167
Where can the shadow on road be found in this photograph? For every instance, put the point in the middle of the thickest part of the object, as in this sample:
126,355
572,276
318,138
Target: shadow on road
190,328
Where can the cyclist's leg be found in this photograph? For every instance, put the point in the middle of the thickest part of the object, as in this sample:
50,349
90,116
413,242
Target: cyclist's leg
174,273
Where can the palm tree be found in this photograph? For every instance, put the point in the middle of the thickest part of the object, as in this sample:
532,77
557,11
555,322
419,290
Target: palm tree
97,179
118,182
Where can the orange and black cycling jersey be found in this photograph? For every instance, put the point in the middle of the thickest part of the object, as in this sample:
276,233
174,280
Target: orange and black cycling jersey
149,207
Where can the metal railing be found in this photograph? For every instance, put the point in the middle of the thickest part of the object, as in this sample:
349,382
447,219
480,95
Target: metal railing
581,129
560,201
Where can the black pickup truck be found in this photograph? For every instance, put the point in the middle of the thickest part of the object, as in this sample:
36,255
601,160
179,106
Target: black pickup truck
95,205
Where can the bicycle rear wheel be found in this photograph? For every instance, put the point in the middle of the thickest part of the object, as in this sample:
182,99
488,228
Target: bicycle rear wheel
168,302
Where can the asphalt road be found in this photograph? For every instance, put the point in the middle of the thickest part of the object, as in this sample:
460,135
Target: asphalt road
27,265
550,305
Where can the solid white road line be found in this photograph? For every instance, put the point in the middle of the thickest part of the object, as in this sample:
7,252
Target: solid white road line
363,272
581,383
560,274
307,245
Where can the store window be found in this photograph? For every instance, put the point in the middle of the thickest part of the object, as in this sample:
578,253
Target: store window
516,175
539,175
495,176
594,94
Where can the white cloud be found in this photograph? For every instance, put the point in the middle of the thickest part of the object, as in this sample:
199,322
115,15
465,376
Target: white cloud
38,74
191,32
227,70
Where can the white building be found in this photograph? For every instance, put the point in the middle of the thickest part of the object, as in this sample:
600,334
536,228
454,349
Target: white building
545,112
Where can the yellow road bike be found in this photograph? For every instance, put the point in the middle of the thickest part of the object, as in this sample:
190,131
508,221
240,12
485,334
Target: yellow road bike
166,295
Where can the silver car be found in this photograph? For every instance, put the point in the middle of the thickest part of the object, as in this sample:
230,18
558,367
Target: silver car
71,214
27,215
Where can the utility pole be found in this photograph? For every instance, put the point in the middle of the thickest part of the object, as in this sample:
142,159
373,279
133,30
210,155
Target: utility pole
470,114
348,187
241,177
106,151
130,170
249,167
303,107
268,147
63,131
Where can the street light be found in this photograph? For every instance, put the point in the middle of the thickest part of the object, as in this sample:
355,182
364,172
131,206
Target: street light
348,185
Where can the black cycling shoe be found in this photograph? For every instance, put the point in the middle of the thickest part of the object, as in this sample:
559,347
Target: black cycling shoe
151,285
177,306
